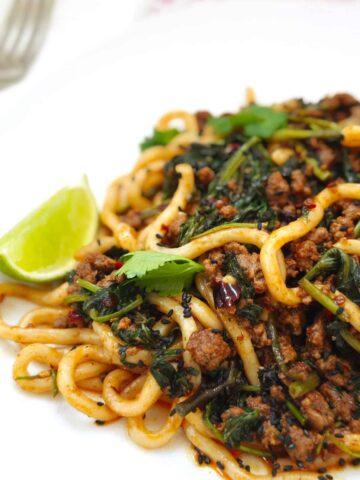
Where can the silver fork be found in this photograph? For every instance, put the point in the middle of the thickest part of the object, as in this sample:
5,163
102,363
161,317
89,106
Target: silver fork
23,34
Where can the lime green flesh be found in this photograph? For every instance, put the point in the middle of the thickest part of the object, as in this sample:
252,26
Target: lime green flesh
41,247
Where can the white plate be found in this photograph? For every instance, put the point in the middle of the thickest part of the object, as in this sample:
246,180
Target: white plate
90,118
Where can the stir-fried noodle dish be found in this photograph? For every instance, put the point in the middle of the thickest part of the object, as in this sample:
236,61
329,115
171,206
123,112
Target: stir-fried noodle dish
224,286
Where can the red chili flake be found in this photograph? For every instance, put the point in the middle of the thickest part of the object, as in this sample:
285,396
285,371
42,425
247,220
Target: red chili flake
118,264
309,203
232,147
164,227
340,300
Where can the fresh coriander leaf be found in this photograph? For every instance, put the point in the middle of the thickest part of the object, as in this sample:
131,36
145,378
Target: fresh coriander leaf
159,137
257,121
154,271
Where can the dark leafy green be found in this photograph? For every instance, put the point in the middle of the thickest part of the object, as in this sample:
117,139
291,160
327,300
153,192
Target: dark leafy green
241,428
346,270
158,137
231,267
176,379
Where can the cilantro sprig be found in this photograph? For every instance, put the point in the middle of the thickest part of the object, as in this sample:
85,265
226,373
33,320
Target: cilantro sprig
257,121
166,274
159,137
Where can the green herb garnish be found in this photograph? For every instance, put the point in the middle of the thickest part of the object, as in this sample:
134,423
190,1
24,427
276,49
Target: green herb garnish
159,137
166,274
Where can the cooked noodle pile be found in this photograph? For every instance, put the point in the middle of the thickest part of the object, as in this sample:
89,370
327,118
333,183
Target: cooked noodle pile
250,336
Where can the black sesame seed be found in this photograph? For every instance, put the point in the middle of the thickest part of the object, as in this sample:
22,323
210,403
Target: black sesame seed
322,470
100,404
240,462
300,464
329,477
170,312
326,355
341,462
288,468
339,435
321,477
355,462
99,422
291,446
207,460
220,465
159,236
247,468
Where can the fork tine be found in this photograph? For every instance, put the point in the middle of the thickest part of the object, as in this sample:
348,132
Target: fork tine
38,32
10,27
24,32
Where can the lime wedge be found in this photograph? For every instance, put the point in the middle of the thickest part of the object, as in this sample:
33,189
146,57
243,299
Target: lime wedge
41,247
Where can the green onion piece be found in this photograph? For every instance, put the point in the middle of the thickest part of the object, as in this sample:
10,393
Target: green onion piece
322,175
104,318
275,345
357,229
236,160
87,285
320,445
55,390
295,412
298,388
77,297
323,299
319,122
289,133
225,226
342,446
254,451
350,339
250,388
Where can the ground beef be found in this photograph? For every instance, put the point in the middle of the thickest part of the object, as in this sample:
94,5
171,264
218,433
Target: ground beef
339,106
287,350
319,236
133,218
292,319
256,403
270,436
299,370
93,268
277,392
231,412
250,263
228,211
317,411
299,186
336,369
277,190
213,264
354,426
343,225
323,152
205,175
299,446
342,403
259,335
316,342
208,349
175,228
305,254
202,117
